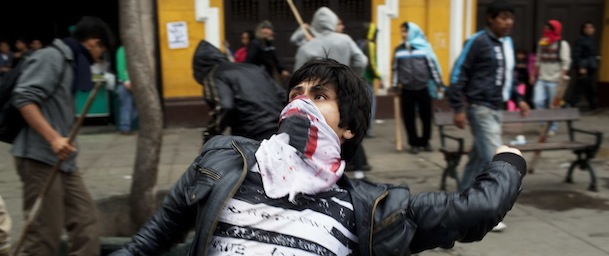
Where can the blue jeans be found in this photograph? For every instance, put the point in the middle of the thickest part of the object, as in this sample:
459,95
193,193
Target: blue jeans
485,124
544,95
128,113
372,108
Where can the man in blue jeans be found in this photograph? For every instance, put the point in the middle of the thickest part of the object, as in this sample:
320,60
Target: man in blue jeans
483,75
128,112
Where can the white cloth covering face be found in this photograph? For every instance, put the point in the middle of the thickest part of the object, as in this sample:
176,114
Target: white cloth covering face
309,168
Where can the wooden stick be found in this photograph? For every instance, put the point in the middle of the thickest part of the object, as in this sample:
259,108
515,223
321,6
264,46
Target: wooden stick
299,20
398,122
47,185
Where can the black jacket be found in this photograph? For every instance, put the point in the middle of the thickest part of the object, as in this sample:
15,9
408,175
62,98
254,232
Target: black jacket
585,53
239,95
390,220
479,75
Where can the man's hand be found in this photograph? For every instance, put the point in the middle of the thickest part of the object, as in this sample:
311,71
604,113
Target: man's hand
127,85
459,120
62,147
395,90
285,74
524,108
504,149
532,80
583,71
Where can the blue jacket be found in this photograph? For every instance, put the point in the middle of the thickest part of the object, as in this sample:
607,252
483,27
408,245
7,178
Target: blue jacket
479,74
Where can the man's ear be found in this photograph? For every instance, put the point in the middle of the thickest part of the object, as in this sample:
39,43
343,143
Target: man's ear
347,135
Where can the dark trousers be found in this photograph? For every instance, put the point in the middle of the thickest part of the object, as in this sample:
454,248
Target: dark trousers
67,205
413,102
584,84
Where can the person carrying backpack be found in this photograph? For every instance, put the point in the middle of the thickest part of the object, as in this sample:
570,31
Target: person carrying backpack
553,63
371,73
44,95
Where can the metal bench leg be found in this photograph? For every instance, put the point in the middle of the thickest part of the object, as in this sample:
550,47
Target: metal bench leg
583,162
452,162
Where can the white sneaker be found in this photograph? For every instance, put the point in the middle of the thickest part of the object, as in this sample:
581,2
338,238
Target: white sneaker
359,175
499,227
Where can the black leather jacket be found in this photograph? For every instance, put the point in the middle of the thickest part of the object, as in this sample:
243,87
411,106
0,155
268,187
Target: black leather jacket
390,221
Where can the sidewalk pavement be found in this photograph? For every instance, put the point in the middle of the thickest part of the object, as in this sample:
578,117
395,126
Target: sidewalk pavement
549,218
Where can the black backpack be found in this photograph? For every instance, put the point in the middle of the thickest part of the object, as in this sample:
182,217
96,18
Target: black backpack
11,121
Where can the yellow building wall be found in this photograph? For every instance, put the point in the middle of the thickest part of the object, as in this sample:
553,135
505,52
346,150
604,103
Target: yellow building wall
604,67
176,64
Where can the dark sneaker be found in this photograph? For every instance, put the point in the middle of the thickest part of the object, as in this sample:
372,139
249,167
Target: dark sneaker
414,150
427,148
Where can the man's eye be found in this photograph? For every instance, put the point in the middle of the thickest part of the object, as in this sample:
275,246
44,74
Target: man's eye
320,97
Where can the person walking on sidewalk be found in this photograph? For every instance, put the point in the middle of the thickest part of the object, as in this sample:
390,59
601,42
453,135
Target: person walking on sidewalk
239,95
44,95
484,76
585,62
128,112
288,195
415,66
368,46
553,63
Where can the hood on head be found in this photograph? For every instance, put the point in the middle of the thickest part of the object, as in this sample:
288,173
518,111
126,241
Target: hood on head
205,58
262,25
324,20
556,27
415,33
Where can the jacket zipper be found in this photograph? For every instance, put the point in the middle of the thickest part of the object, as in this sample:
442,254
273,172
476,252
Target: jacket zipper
229,197
207,172
376,202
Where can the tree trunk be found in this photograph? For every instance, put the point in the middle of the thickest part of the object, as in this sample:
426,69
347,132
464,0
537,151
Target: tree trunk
137,35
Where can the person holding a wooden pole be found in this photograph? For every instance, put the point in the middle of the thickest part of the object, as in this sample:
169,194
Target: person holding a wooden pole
44,95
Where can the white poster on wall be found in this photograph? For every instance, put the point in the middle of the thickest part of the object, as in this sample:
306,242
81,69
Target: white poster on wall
177,34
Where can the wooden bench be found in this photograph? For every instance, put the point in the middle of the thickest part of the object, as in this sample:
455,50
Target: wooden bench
584,150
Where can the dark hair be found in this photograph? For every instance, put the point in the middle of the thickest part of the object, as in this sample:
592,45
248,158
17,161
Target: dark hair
250,34
405,25
497,7
581,30
352,93
90,27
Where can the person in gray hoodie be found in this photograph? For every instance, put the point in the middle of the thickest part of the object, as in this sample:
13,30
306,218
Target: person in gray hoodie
44,95
331,44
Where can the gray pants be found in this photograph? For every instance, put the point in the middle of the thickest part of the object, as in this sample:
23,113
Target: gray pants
5,229
67,205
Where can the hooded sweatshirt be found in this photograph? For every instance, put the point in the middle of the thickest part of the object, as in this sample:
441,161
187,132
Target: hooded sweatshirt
553,58
328,43
239,95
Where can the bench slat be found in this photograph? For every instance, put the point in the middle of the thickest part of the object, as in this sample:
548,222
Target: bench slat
445,118
563,145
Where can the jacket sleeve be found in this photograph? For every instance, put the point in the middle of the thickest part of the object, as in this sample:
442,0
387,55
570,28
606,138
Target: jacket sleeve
372,60
394,69
169,225
433,70
461,74
220,99
358,59
39,77
443,218
565,55
121,64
